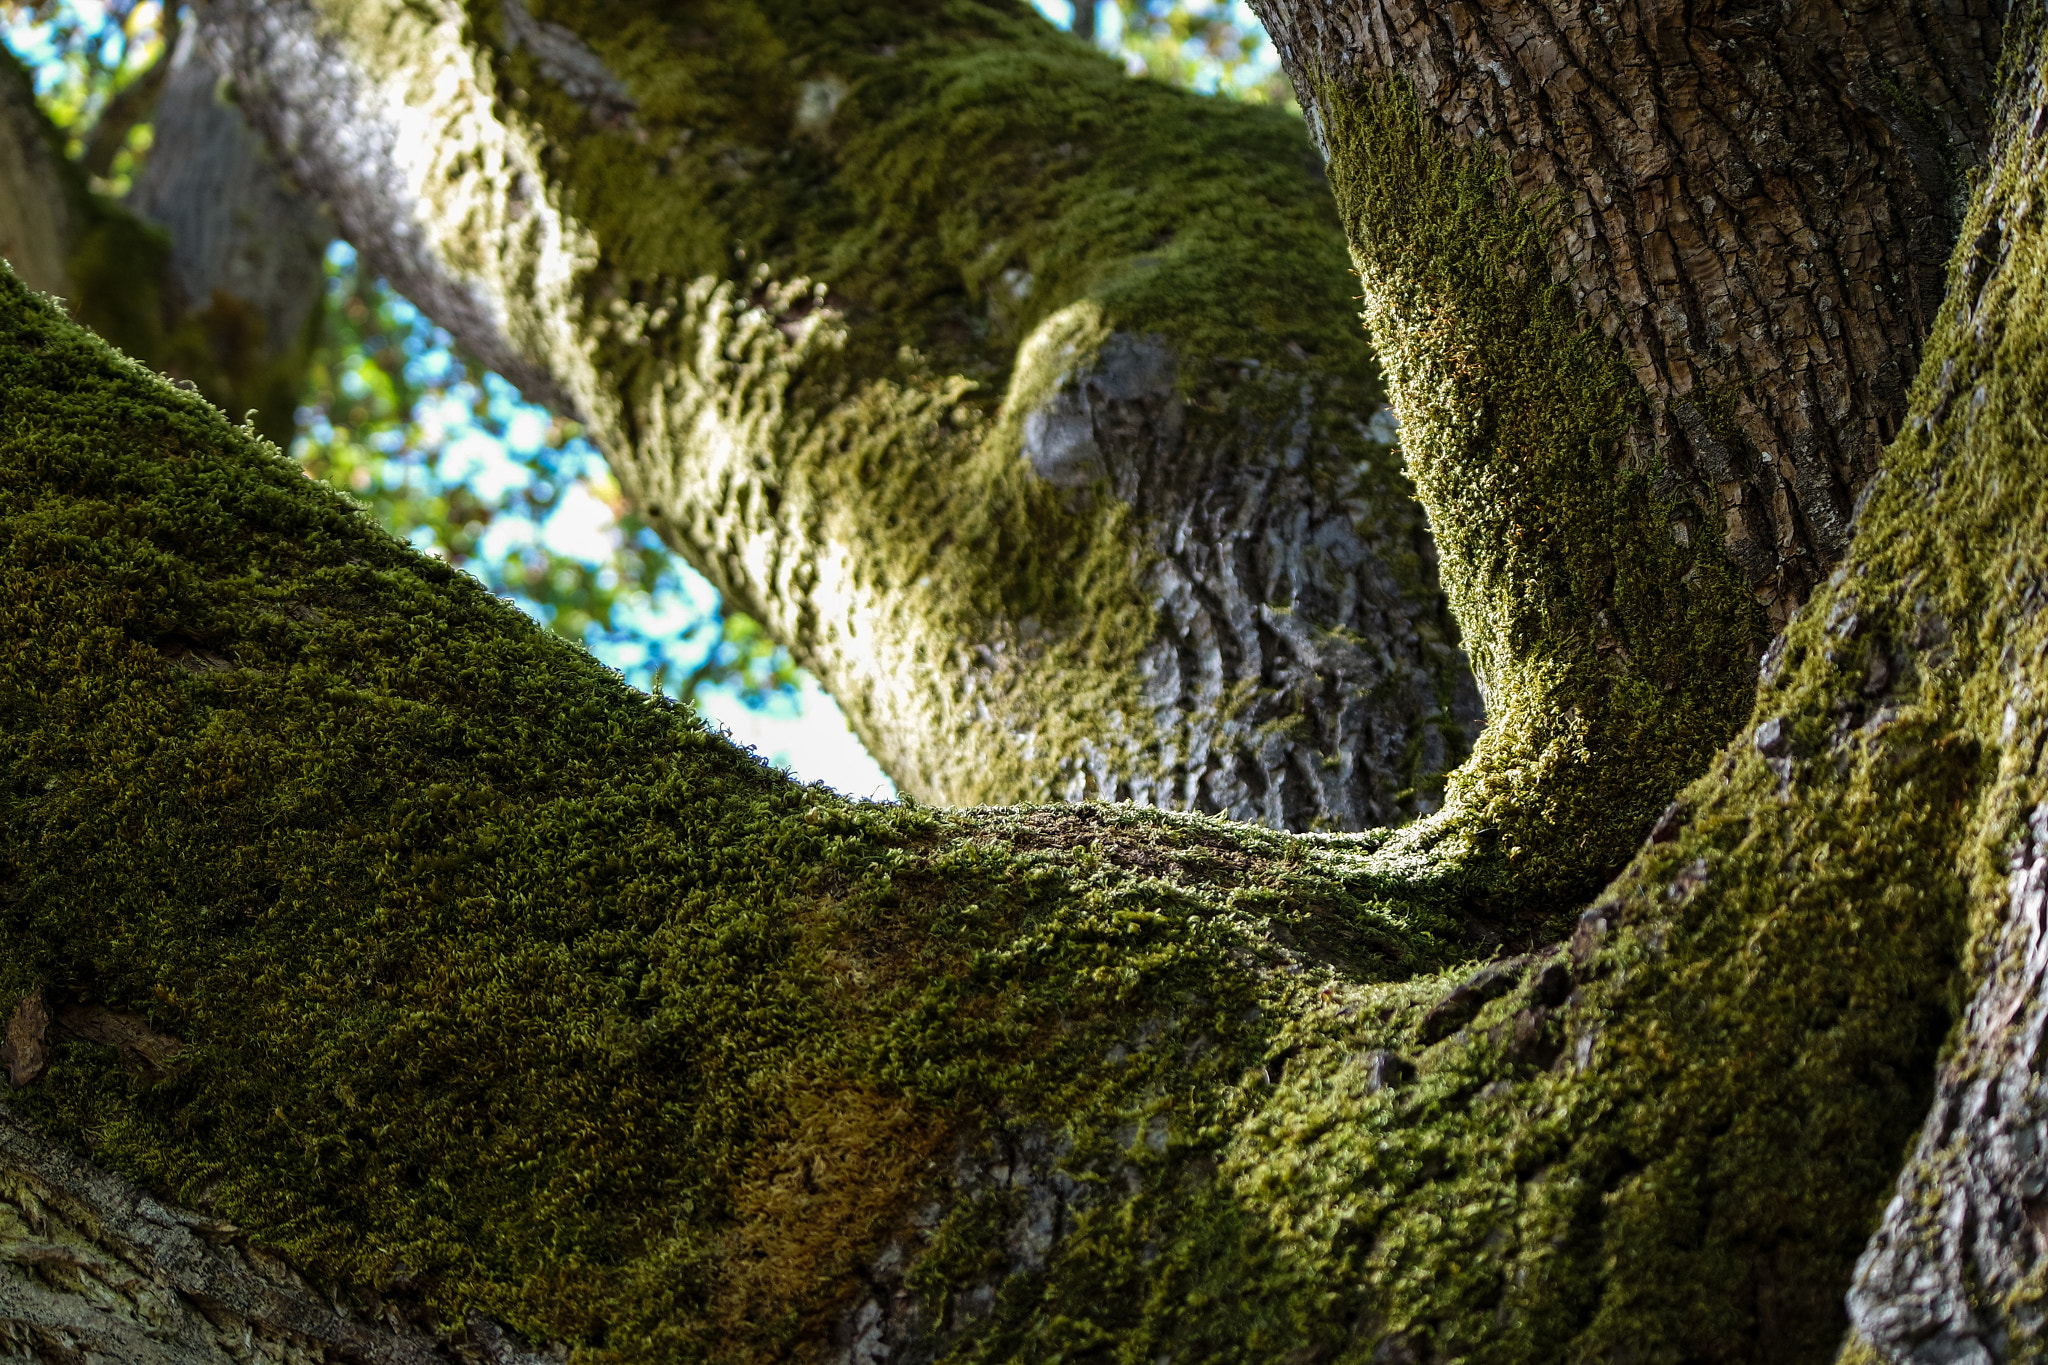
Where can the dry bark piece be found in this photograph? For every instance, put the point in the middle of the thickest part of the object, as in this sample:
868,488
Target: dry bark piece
141,1047
25,1053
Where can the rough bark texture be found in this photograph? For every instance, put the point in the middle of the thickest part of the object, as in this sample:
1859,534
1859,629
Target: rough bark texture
97,1270
1750,205
1957,1271
938,346
507,988
1756,202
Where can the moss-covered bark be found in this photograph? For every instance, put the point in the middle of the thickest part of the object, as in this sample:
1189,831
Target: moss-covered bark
1649,292
1026,402
503,988
500,980
463,974
1615,654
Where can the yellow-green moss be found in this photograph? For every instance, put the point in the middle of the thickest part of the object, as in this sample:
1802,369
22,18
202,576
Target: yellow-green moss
1615,657
496,970
953,178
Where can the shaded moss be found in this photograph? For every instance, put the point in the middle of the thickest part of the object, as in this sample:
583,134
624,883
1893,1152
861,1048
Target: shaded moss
1615,656
507,988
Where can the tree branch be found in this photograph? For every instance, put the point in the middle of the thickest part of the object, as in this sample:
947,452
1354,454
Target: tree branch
1042,440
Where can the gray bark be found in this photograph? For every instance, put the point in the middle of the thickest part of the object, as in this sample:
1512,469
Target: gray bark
242,238
92,1269
35,218
1942,1281
226,296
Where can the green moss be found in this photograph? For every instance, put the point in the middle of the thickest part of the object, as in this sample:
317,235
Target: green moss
1682,1159
1615,656
806,263
498,972
507,988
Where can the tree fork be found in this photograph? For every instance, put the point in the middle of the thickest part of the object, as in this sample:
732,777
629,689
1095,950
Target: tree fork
1012,1083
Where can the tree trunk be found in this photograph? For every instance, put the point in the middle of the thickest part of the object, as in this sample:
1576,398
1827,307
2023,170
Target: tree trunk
937,345
34,221
1755,204
350,909
228,300
244,279
1744,214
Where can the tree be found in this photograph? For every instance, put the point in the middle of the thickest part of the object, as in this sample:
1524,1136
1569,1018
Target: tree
371,928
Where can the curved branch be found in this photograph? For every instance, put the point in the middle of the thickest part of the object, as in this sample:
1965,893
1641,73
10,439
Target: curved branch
1044,440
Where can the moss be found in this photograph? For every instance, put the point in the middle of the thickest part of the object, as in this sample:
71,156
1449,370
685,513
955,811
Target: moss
505,988
801,253
507,983
1615,656
1681,1160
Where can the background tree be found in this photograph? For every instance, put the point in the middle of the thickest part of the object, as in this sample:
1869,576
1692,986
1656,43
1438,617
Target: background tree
382,930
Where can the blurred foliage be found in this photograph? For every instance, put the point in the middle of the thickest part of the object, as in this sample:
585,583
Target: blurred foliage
447,456
88,55
1217,46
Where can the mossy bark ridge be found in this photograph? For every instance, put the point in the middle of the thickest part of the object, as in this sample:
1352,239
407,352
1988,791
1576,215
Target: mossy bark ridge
1754,202
1648,285
381,928
939,346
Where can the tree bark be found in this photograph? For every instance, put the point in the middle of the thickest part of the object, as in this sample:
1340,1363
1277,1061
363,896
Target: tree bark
1648,285
938,348
209,271
362,914
34,218
244,280
1755,204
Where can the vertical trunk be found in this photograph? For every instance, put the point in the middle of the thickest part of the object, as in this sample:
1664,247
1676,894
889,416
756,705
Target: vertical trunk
1755,204
210,270
1956,1269
34,198
1648,285
243,279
